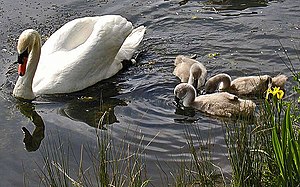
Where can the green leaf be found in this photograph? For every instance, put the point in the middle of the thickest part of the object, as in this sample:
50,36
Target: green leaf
213,55
293,144
278,152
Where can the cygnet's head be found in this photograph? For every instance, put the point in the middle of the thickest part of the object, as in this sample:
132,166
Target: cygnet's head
178,59
185,92
220,81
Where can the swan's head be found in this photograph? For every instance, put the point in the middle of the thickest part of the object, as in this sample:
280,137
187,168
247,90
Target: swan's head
29,49
26,42
220,81
186,93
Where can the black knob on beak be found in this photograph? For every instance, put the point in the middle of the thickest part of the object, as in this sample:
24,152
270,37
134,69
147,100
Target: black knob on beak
23,56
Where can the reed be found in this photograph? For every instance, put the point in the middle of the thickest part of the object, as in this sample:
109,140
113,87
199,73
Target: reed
266,151
106,164
263,151
194,168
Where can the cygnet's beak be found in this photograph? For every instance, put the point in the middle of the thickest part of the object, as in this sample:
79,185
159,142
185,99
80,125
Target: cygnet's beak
203,92
177,101
195,84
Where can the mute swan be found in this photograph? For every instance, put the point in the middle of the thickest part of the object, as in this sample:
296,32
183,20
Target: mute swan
190,71
220,104
79,54
249,85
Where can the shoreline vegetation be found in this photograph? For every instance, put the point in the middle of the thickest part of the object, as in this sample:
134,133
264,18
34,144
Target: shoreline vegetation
264,151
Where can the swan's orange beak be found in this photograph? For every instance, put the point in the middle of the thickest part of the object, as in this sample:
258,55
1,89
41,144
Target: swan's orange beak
22,67
22,60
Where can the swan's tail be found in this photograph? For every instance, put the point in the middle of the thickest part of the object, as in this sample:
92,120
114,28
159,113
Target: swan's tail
131,44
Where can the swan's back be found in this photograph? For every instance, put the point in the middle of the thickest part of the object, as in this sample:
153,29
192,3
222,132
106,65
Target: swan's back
224,104
81,53
279,81
250,85
183,66
219,104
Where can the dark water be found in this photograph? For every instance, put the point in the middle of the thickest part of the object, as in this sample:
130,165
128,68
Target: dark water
139,100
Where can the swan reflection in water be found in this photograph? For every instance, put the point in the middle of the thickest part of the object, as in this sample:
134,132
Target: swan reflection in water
90,110
87,109
90,104
32,141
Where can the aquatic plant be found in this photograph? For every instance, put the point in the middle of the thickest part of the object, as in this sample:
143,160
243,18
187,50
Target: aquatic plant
194,168
285,140
266,152
106,164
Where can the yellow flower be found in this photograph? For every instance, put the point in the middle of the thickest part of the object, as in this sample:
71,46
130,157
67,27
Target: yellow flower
276,91
279,93
269,91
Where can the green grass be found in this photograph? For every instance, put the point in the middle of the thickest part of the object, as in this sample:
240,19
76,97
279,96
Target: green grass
105,164
266,152
198,169
109,164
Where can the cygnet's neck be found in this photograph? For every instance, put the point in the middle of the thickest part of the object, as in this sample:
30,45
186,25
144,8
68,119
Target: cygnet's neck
195,74
221,81
189,97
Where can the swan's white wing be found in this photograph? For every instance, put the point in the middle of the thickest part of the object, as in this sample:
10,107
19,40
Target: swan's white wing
131,43
80,54
70,35
127,50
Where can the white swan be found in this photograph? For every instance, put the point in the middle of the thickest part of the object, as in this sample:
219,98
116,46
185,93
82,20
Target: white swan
190,71
250,85
81,53
219,104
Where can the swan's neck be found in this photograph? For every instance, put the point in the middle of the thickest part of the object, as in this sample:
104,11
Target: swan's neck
189,97
23,87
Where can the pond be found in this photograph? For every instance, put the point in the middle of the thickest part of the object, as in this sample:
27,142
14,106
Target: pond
139,100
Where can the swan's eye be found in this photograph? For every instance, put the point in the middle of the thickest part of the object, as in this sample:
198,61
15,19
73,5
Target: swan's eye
22,57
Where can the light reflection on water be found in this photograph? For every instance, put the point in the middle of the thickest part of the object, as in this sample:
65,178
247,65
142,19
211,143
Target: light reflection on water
140,99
